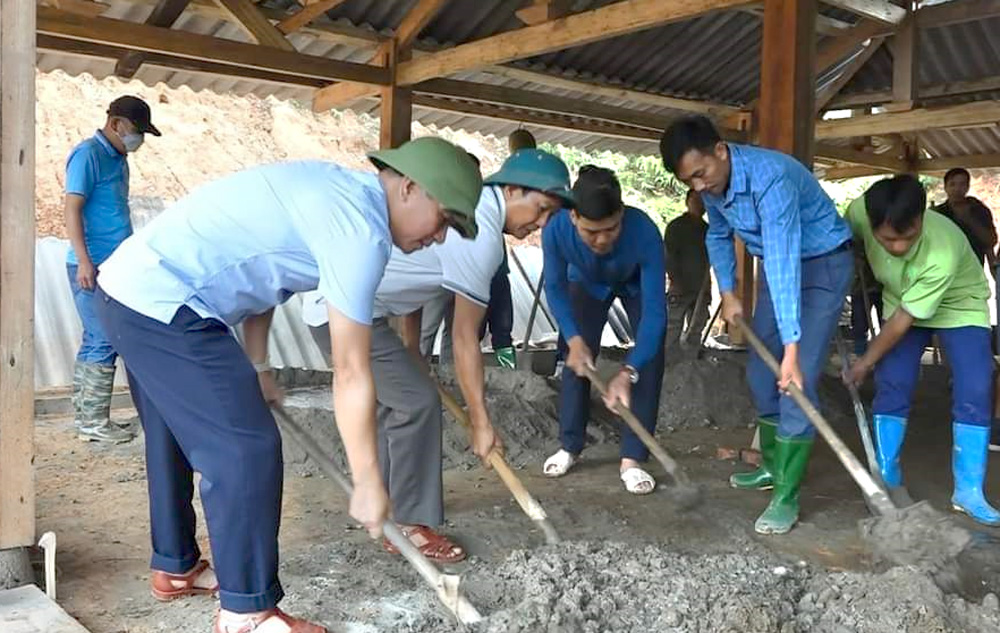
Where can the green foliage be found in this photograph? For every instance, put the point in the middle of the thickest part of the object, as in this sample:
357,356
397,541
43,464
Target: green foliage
645,183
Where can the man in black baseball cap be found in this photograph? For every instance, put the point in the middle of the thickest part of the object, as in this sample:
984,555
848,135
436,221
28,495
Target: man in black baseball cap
98,220
136,111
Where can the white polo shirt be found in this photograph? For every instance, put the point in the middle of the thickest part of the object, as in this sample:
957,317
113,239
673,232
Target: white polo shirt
465,267
246,243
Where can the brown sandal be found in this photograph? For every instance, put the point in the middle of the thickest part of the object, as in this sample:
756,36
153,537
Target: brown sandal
164,590
439,548
295,625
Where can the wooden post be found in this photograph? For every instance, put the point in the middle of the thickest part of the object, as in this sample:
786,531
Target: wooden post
397,102
904,65
17,272
784,115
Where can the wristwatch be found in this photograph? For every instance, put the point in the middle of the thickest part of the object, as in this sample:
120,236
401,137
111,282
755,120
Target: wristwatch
633,373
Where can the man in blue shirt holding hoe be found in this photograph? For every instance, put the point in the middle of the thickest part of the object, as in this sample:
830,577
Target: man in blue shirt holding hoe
595,253
777,207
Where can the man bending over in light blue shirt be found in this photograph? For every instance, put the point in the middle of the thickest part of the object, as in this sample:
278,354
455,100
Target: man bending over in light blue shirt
776,206
228,253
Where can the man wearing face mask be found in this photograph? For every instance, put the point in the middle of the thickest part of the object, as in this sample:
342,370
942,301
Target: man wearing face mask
599,251
97,221
517,200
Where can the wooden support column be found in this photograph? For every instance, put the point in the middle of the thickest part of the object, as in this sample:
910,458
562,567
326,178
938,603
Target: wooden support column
17,273
904,66
785,111
396,109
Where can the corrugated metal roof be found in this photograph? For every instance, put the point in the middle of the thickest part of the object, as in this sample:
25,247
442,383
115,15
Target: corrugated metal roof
713,57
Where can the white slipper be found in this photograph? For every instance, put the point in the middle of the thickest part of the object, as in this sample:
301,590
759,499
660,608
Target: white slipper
638,481
559,464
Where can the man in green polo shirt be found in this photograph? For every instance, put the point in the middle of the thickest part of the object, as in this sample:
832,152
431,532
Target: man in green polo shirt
932,284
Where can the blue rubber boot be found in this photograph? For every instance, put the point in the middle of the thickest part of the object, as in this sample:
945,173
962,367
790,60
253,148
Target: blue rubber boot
890,430
968,463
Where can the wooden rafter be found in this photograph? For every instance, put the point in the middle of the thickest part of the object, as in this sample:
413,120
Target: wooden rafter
256,24
828,92
858,157
975,161
850,171
346,92
904,64
881,10
606,22
86,8
164,14
967,114
925,93
306,15
835,49
542,11
202,47
363,38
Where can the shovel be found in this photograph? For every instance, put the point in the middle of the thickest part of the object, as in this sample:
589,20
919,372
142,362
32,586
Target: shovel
684,491
524,499
445,585
916,535
699,305
899,494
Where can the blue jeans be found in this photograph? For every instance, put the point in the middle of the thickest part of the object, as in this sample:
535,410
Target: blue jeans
95,348
202,410
826,280
574,397
968,350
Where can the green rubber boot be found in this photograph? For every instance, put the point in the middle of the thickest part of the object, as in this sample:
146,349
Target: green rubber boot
762,478
506,357
791,456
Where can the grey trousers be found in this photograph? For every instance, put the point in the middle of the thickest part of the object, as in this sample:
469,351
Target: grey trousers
408,411
681,308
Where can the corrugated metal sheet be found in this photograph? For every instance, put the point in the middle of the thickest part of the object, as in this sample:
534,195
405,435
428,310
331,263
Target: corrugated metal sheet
57,326
714,57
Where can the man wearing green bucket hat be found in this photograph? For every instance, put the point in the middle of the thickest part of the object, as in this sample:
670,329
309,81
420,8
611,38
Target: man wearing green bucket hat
228,253
517,200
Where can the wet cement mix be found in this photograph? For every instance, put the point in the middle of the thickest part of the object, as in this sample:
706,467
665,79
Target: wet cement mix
614,587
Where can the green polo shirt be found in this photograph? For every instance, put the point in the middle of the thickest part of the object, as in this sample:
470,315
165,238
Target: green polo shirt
938,281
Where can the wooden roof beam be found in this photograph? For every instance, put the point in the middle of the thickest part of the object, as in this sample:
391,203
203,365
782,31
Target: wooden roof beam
975,161
256,25
967,114
203,47
834,49
306,14
904,65
849,171
847,73
936,91
619,18
859,157
542,11
164,14
881,10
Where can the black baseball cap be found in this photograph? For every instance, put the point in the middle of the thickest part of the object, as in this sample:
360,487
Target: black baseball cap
135,110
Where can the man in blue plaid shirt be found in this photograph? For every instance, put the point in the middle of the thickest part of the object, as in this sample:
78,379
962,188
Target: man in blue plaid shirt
776,206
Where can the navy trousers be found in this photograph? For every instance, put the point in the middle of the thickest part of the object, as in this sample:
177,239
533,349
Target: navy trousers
202,410
825,282
500,311
968,349
574,398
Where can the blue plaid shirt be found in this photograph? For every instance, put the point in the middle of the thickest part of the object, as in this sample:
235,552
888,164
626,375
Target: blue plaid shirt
781,213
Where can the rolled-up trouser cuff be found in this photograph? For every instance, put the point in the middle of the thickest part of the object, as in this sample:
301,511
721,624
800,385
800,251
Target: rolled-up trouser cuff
252,602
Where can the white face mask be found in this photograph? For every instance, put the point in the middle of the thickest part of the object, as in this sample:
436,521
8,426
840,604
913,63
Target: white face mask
132,141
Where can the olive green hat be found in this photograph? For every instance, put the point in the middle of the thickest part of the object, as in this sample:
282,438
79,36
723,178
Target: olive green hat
536,169
444,171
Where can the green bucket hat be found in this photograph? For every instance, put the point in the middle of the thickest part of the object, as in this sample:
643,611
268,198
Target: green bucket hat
444,171
536,169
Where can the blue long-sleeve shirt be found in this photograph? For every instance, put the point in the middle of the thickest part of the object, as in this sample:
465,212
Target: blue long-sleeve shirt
781,213
635,266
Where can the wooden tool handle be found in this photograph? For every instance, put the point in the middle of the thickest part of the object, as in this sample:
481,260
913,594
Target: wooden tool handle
661,455
444,584
854,467
528,503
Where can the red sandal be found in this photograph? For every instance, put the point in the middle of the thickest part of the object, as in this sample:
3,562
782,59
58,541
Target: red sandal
164,590
295,625
438,548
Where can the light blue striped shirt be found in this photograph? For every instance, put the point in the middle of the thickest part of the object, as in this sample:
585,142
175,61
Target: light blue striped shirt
777,207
